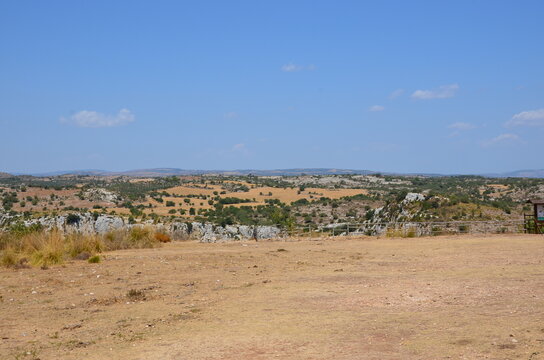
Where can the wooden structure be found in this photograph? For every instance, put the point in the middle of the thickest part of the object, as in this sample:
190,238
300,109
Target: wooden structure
537,218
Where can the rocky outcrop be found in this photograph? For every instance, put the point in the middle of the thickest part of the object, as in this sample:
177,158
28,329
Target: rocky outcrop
84,223
88,223
411,197
211,233
105,223
100,195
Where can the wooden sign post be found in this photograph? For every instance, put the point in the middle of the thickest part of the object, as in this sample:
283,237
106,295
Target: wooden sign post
538,215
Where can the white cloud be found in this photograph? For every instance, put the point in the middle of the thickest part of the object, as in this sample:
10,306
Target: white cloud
93,119
458,127
376,108
461,126
395,94
527,118
443,92
238,147
294,67
502,138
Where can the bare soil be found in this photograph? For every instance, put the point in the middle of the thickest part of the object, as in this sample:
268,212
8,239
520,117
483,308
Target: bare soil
462,297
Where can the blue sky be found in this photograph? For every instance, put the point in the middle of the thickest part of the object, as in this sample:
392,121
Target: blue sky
407,86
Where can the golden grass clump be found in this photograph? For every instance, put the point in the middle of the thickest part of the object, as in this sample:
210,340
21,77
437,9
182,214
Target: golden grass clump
10,257
403,233
79,244
45,248
135,238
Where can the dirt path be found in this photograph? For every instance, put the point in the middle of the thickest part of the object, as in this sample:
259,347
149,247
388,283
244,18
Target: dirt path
423,298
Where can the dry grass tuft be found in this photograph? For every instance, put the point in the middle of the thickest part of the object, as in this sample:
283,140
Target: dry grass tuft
402,233
45,248
10,257
135,238
136,295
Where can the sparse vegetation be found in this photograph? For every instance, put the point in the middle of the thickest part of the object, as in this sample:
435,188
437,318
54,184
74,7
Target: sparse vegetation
288,201
41,248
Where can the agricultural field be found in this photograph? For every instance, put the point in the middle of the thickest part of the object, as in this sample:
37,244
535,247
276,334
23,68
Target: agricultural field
358,298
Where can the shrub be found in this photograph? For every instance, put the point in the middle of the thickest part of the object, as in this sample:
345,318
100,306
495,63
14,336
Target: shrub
463,228
72,219
163,238
94,259
232,200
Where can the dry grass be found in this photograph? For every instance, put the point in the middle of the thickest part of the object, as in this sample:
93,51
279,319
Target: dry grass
45,248
401,233
446,297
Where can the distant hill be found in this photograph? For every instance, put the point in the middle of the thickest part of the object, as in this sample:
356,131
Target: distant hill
520,173
5,175
158,172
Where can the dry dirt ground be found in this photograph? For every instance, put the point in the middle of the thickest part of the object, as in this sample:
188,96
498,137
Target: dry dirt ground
461,297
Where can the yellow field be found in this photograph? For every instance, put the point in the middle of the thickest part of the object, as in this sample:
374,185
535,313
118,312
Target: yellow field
259,194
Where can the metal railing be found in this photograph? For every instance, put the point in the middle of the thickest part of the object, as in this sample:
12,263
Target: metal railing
410,229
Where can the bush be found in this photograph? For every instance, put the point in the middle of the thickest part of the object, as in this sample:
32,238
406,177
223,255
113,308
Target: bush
232,200
463,228
94,259
72,219
163,238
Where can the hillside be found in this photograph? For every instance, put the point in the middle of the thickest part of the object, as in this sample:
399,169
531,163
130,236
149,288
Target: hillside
158,172
316,201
